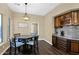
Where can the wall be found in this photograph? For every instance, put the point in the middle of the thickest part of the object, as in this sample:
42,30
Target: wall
5,11
49,18
18,18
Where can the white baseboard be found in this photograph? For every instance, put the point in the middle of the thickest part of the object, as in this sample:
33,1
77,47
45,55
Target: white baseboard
48,42
4,51
45,40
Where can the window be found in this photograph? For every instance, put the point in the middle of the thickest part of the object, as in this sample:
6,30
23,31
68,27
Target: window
1,28
23,25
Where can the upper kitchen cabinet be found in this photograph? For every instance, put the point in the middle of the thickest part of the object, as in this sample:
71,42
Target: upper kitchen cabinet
57,22
69,18
75,17
78,18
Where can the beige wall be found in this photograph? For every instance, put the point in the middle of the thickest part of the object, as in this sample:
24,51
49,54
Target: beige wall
18,18
49,18
4,10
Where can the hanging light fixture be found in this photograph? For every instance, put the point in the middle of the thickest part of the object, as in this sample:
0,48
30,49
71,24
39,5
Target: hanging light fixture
25,15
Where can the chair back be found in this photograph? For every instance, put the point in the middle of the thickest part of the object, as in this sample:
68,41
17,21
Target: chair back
36,39
11,41
16,36
33,34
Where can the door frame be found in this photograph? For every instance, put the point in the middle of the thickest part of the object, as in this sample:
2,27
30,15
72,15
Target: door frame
35,23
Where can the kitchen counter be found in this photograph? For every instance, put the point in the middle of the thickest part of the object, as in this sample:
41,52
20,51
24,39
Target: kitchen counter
66,44
67,37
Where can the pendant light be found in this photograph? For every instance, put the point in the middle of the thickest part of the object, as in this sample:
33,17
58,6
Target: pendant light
25,15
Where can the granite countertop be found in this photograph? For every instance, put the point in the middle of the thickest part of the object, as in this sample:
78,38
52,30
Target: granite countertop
67,37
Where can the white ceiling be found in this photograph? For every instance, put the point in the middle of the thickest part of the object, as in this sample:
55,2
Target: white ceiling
33,8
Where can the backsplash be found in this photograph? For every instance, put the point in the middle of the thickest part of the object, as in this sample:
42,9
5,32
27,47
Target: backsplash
69,31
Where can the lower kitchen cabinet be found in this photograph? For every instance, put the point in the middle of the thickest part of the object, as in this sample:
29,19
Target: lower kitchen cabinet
74,46
66,45
61,44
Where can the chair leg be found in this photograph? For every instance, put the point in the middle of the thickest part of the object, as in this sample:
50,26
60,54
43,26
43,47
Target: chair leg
15,51
37,49
34,50
19,49
10,51
31,47
27,46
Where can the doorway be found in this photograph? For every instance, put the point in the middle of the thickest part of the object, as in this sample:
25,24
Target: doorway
35,28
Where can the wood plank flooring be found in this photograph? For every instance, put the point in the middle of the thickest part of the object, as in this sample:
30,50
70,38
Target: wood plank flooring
44,49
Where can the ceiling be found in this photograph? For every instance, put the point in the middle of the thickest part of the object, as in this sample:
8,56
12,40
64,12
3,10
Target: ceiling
33,8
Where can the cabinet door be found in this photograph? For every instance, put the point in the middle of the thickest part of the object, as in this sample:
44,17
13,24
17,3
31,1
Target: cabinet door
62,44
68,18
74,46
57,22
75,18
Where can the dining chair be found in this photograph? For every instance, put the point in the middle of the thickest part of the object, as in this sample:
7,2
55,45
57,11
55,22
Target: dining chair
33,34
16,35
15,44
33,43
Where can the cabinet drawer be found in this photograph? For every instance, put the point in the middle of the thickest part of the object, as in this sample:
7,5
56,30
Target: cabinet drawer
61,47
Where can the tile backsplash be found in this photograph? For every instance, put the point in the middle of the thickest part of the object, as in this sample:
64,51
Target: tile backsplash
69,31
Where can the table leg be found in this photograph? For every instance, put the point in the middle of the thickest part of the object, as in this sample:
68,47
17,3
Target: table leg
24,47
26,50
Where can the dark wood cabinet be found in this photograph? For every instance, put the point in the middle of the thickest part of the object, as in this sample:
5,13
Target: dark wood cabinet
69,18
61,44
74,46
75,20
57,22
66,45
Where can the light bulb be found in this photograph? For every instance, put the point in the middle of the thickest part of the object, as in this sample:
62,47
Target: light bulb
26,18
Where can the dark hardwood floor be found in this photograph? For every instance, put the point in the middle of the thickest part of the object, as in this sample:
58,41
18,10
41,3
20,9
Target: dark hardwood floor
44,49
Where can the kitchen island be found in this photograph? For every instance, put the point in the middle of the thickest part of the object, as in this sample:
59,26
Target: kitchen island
66,44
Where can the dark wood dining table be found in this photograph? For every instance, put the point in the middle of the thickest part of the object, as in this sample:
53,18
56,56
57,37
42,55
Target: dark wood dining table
24,38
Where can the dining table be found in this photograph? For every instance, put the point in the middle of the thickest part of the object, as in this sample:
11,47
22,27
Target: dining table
25,38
